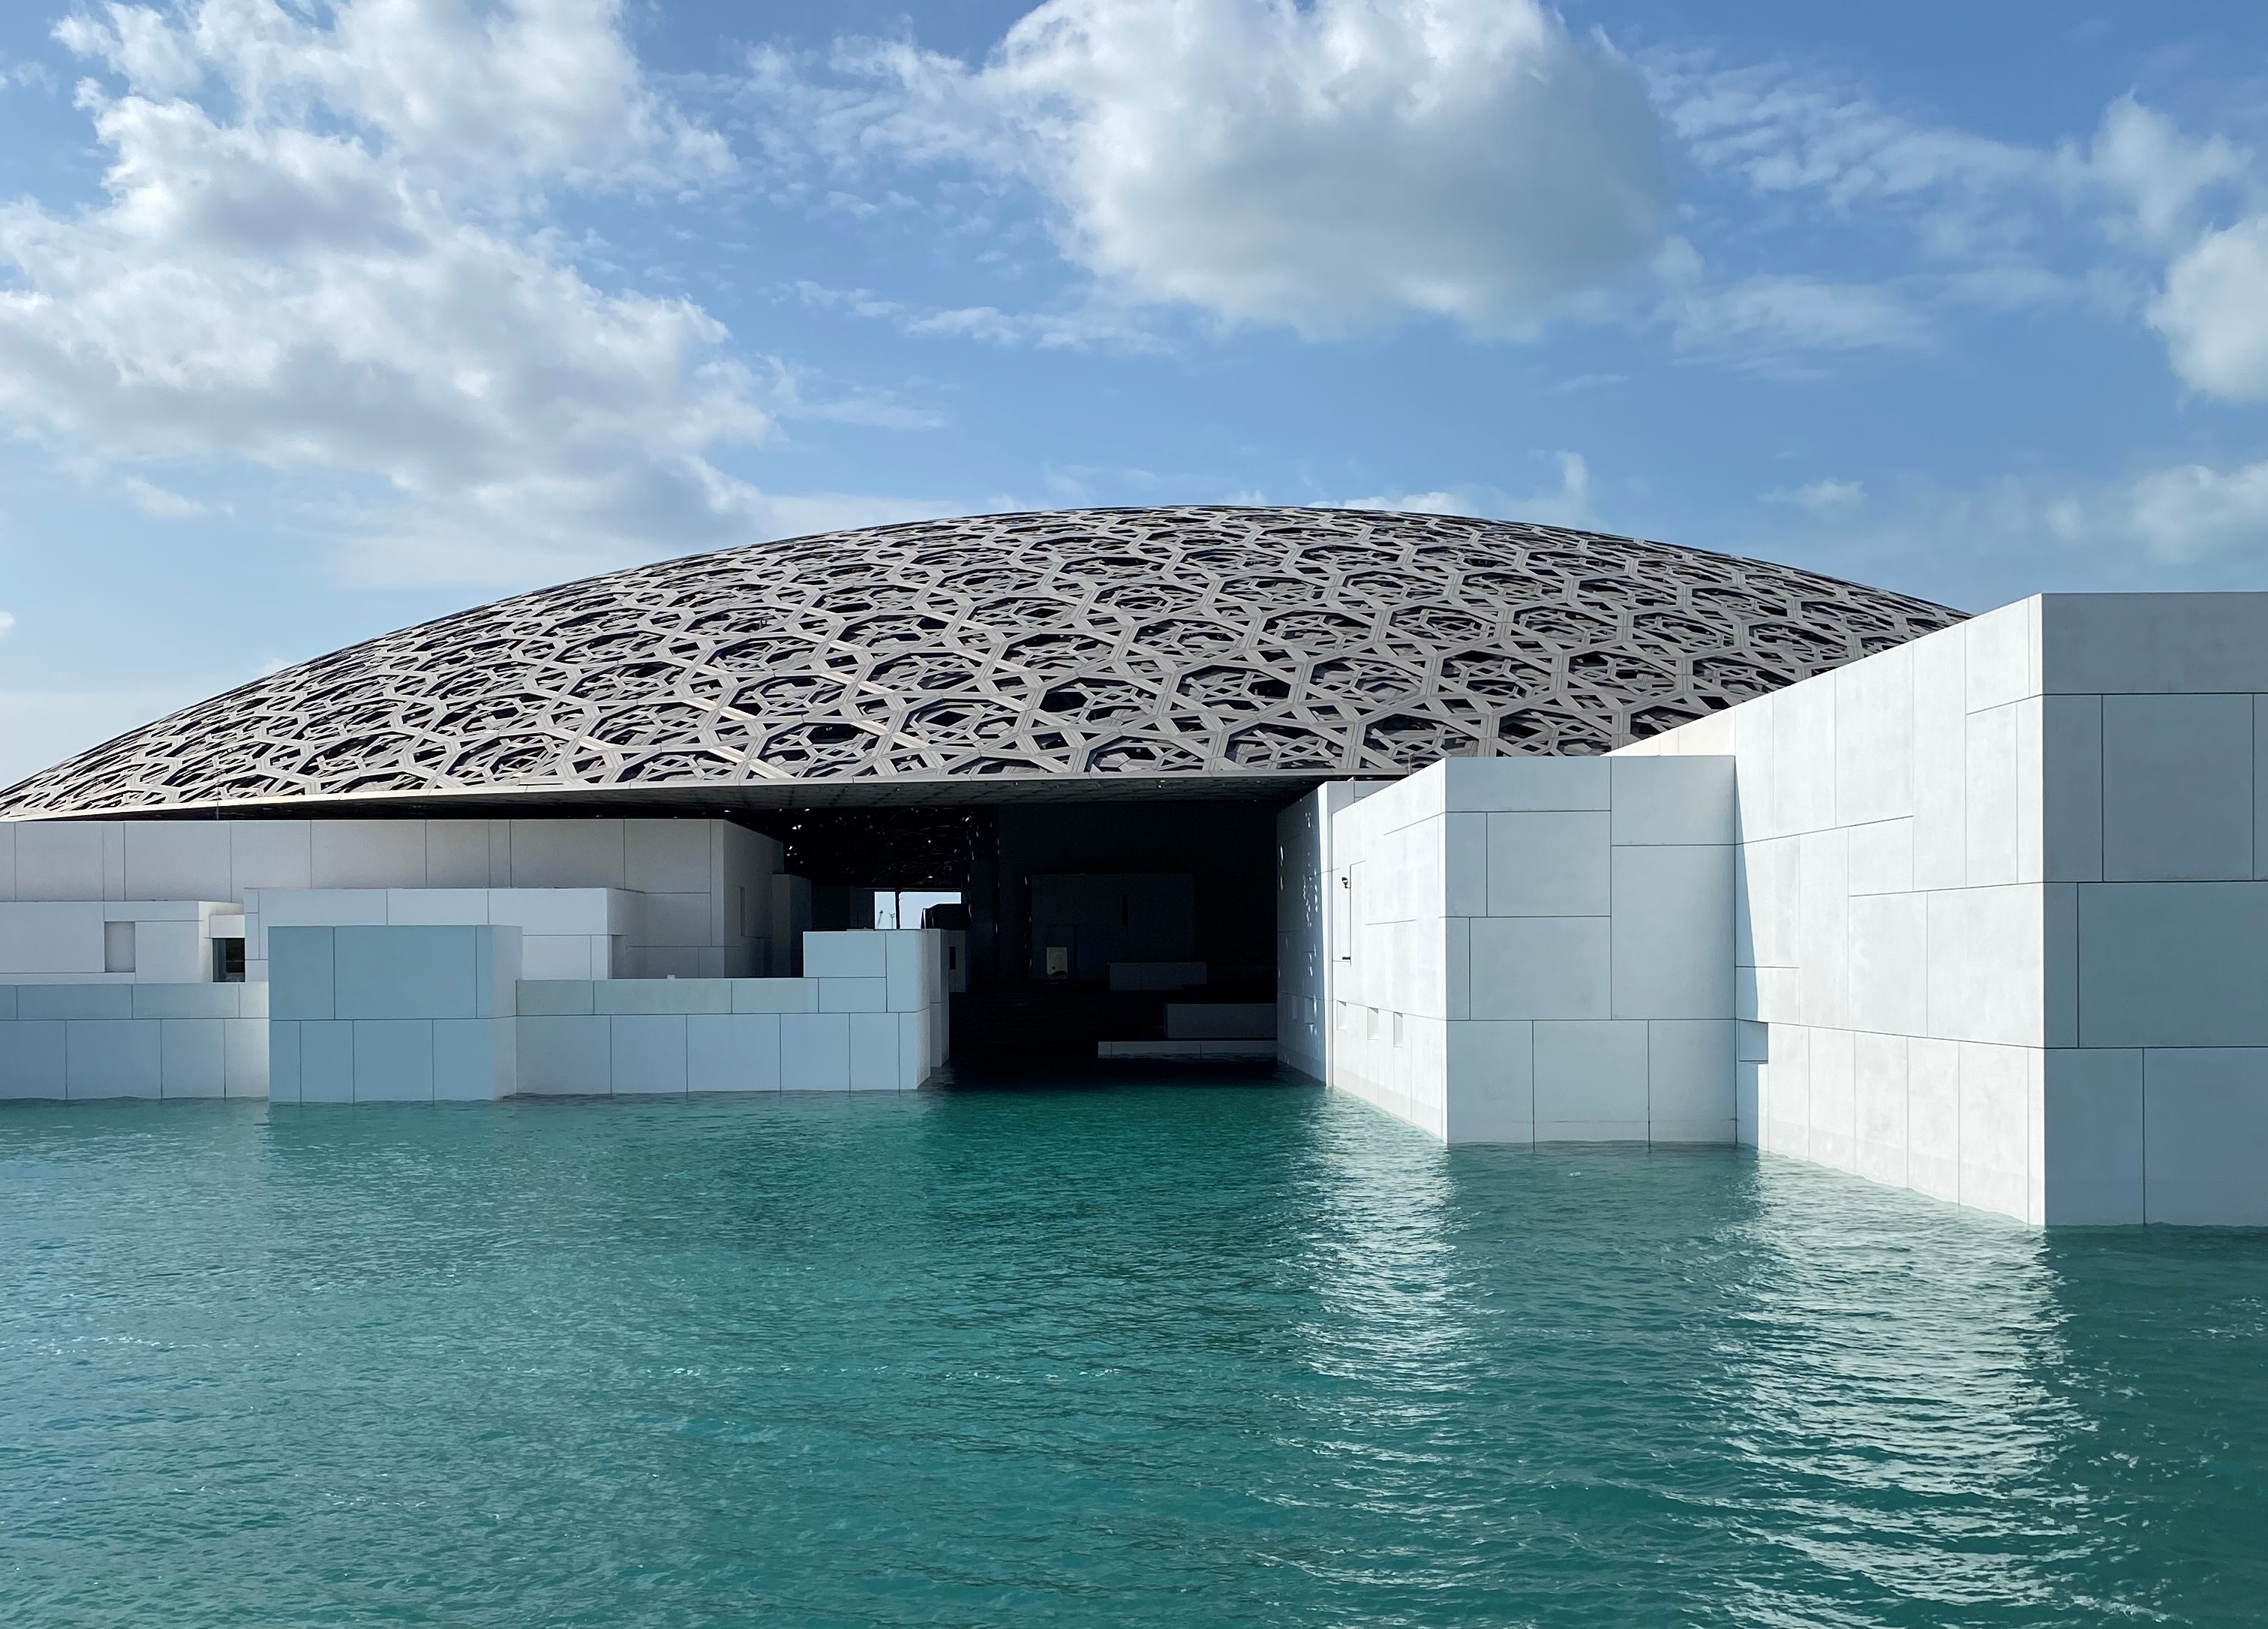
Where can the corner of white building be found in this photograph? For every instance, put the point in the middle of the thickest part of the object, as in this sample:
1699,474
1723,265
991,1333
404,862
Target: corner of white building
1985,916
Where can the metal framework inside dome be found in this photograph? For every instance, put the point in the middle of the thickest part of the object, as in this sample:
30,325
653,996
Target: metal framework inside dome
1060,653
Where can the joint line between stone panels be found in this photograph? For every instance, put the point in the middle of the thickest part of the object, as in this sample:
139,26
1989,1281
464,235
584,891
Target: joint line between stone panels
2142,1068
1649,1076
1532,1121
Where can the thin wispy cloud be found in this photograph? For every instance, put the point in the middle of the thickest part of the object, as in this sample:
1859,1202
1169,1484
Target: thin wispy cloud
1819,497
1569,505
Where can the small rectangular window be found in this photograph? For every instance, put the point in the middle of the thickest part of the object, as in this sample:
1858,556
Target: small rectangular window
118,946
228,960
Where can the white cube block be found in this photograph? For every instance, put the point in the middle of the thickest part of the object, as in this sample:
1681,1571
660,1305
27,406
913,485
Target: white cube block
873,1052
1672,932
393,1060
193,1058
2177,787
326,1061
732,1052
566,1056
815,1052
2205,1136
849,954
2094,1137
475,1059
1591,1082
1542,966
649,1053
1690,1080
1491,1081
1546,865
114,1057
32,1053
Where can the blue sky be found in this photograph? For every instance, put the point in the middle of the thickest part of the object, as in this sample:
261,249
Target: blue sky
317,320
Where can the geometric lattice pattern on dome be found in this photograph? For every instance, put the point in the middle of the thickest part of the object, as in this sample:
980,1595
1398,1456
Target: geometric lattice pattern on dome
1131,642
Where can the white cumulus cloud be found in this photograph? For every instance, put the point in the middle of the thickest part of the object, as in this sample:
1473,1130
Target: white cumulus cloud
2213,308
2214,312
323,245
7,623
1318,165
2191,511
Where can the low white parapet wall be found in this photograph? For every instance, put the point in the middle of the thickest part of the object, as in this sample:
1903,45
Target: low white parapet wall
564,932
69,1042
871,1015
437,1013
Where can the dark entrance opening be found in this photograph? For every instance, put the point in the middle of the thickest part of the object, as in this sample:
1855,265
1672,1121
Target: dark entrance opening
1085,920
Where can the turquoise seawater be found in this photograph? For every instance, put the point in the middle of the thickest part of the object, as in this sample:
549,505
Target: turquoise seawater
1126,1357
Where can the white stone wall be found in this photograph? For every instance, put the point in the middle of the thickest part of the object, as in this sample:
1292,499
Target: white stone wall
2155,848
1533,949
63,941
1303,968
869,1015
710,907
2003,931
392,1014
67,1041
564,932
1893,913
432,1012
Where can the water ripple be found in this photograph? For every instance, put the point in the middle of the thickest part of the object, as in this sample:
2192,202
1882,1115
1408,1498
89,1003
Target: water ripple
1162,1357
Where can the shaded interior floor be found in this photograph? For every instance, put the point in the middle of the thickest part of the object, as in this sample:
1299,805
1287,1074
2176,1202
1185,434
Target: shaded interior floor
1031,1072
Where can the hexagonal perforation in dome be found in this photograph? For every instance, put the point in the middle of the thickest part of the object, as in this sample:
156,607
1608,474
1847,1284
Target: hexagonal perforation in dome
1073,647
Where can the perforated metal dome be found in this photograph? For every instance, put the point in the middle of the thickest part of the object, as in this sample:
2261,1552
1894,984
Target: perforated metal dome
1187,651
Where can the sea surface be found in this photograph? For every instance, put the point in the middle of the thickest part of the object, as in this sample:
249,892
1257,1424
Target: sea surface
1190,1356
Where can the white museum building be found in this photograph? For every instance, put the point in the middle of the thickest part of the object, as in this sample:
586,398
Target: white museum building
1523,835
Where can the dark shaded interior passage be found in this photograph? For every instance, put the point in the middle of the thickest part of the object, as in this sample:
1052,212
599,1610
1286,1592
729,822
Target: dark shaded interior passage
1148,885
